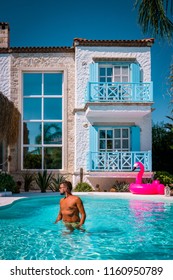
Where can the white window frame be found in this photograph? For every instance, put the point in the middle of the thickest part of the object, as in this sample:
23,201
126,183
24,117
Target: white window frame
113,71
42,145
113,139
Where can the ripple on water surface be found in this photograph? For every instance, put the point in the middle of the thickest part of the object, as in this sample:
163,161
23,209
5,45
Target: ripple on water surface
115,229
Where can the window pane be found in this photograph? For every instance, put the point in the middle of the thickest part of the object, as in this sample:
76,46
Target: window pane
125,79
117,133
102,72
53,84
117,144
117,70
53,158
125,144
32,83
32,109
125,70
125,133
109,80
52,133
117,79
32,133
109,133
53,108
102,144
32,158
109,71
102,80
102,133
109,144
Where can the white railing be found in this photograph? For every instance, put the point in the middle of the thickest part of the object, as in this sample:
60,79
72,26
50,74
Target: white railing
118,161
119,92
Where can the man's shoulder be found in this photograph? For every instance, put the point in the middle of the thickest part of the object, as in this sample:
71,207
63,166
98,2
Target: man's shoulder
76,197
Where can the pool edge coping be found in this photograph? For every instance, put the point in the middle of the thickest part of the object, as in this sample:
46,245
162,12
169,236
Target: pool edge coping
7,200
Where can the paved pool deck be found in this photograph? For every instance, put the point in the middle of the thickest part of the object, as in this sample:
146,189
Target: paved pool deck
10,198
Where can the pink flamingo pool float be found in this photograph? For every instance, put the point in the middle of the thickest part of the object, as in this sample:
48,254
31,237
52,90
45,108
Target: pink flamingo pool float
150,188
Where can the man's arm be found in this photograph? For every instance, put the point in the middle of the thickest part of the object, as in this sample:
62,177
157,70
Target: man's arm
59,217
81,211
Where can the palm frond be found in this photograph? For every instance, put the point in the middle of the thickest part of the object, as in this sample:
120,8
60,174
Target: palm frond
154,17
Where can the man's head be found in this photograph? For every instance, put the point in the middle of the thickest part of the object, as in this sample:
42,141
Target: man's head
65,187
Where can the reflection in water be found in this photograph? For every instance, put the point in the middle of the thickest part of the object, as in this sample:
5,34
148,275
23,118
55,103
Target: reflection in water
141,208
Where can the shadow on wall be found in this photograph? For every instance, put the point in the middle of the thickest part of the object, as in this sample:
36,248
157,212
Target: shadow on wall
109,184
9,121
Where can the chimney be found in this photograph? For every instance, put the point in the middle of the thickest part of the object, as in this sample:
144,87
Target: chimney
4,35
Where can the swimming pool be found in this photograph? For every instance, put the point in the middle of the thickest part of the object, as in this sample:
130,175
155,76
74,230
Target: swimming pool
116,229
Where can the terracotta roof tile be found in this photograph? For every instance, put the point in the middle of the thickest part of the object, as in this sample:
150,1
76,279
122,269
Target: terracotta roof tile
121,43
36,49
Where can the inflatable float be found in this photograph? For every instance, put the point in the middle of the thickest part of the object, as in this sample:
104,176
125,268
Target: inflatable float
150,188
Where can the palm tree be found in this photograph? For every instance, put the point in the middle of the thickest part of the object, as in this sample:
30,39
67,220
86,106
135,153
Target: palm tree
155,17
169,127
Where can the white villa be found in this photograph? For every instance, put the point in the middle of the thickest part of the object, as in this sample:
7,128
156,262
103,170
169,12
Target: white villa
83,109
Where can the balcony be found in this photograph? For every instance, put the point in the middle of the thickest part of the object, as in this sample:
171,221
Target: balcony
118,161
119,92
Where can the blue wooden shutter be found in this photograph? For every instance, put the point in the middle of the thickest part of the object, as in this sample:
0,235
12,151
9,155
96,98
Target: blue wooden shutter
135,138
135,73
93,146
93,68
93,139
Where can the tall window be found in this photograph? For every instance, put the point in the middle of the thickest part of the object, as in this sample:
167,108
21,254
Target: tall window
42,120
111,140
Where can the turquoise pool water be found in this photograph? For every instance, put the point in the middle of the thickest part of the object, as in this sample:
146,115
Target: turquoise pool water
116,229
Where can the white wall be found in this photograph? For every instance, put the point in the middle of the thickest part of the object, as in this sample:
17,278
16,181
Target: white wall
84,56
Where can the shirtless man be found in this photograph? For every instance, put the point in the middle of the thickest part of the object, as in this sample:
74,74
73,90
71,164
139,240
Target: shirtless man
70,208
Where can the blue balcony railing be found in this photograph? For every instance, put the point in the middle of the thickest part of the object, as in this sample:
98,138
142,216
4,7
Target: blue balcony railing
119,92
118,161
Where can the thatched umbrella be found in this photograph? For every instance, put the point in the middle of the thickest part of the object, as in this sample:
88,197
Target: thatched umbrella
9,120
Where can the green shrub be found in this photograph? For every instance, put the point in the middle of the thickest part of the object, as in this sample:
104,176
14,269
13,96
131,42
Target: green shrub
164,177
121,186
7,182
56,181
17,187
83,187
44,180
28,179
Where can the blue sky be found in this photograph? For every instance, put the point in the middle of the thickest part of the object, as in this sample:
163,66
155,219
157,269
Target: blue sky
57,23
